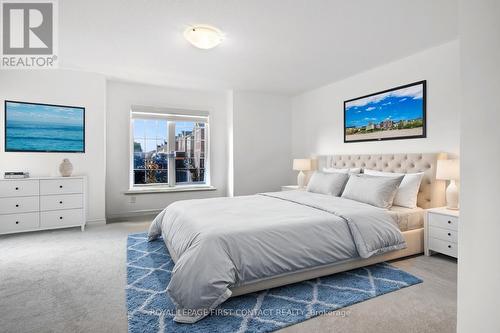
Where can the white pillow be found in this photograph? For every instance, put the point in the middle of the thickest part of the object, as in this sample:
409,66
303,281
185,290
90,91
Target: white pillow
327,183
408,189
351,171
374,190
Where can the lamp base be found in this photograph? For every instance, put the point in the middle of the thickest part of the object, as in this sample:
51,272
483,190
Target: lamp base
301,180
452,196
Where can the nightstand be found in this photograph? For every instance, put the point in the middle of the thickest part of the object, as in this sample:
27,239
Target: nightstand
441,231
292,188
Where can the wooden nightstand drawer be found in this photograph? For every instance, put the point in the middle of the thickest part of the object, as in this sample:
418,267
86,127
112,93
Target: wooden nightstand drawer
444,247
443,221
443,234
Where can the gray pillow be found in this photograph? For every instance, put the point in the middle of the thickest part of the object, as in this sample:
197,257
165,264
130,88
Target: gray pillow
374,190
327,183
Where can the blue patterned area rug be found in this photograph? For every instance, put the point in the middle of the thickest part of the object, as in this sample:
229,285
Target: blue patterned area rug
150,309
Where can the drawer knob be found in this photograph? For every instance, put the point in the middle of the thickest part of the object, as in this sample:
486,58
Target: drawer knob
449,234
449,222
60,202
17,205
17,222
60,217
17,188
60,186
449,246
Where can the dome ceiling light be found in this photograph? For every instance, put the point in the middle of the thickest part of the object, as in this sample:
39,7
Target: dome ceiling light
204,36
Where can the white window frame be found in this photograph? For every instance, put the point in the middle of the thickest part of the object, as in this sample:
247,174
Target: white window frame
171,115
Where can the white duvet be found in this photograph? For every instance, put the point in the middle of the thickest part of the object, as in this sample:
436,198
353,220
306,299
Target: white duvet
225,242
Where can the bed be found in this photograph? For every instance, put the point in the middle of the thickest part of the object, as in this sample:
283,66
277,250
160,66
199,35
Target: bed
224,247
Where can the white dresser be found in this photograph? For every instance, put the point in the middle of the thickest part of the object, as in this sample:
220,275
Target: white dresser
441,231
42,203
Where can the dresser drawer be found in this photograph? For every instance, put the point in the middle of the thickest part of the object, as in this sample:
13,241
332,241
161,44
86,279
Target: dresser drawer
18,205
443,221
18,222
63,201
61,218
19,188
444,234
444,247
61,186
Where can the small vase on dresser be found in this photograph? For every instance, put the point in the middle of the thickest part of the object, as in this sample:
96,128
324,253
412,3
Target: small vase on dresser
42,203
66,168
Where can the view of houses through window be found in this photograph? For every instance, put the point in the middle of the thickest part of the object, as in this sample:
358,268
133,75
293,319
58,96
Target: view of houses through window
152,150
190,152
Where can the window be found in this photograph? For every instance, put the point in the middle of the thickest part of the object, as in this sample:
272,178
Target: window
190,152
168,149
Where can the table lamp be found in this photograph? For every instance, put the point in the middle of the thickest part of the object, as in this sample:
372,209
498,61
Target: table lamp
449,170
301,165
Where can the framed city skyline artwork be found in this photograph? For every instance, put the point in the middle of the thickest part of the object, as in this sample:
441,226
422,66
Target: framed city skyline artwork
397,113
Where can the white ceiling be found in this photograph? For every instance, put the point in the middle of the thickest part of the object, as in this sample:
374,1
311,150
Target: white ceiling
283,46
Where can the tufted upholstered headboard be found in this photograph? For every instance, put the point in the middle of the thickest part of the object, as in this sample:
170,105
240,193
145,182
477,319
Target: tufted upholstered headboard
432,191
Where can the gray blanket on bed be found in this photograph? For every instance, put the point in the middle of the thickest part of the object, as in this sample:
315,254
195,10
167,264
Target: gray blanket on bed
221,243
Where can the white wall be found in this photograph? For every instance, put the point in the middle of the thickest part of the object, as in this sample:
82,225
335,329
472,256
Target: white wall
261,142
121,95
479,228
259,124
65,88
317,120
230,148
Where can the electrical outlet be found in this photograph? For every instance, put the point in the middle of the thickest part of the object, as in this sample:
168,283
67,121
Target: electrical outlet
133,199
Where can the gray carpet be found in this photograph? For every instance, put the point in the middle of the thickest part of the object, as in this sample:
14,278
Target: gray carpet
73,281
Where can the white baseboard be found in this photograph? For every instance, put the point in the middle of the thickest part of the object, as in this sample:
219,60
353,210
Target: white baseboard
96,222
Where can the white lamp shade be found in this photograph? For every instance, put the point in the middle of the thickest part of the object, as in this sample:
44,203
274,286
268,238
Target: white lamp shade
302,164
448,170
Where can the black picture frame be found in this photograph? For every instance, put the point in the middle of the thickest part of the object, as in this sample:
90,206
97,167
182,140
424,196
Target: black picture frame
424,114
43,151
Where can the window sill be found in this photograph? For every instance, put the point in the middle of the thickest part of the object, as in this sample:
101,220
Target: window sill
166,189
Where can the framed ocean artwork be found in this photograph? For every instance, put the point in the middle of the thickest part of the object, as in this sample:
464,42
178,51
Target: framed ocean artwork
393,114
47,128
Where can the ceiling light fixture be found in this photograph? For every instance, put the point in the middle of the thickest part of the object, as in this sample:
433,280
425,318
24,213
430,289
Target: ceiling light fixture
203,36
